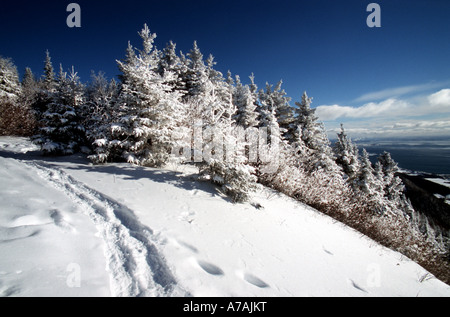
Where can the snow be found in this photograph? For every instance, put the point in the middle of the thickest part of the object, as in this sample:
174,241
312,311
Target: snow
68,228
440,181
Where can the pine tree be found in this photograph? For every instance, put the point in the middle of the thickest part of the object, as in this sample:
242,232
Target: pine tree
270,135
170,62
62,132
99,113
246,115
347,155
392,185
284,112
16,117
313,134
370,186
149,112
224,160
195,73
9,80
48,80
30,87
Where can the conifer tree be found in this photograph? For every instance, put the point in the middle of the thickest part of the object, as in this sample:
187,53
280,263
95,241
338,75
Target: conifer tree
313,134
48,80
368,184
392,185
195,73
347,155
246,115
16,117
149,111
169,61
224,162
283,110
99,113
9,80
29,87
62,132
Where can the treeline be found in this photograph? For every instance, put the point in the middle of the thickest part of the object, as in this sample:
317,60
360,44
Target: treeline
170,107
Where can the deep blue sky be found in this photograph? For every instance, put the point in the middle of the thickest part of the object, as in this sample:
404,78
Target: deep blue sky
323,47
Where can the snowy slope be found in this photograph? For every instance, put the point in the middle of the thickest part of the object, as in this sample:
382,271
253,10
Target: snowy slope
68,228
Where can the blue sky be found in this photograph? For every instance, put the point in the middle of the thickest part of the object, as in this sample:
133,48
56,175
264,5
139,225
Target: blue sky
388,81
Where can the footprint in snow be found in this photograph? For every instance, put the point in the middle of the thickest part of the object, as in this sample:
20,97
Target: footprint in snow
187,246
59,221
210,268
250,278
187,216
350,281
326,251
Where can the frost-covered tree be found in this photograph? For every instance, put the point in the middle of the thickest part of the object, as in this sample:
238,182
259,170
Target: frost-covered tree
30,87
195,73
369,185
245,102
9,79
61,131
313,134
149,111
270,139
347,155
169,61
223,159
283,110
16,116
392,185
48,80
98,113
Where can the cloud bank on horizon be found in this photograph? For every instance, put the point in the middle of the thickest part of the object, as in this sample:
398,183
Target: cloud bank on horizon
394,112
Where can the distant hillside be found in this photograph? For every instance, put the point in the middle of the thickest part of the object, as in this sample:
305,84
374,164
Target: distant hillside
422,194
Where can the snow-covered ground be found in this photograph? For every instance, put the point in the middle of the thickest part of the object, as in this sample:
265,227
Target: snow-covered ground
440,181
68,228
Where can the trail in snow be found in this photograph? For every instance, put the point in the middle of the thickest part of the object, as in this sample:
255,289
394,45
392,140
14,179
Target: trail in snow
135,265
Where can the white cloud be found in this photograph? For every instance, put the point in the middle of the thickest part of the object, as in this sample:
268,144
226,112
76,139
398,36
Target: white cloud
425,115
393,128
438,102
398,91
441,98
369,110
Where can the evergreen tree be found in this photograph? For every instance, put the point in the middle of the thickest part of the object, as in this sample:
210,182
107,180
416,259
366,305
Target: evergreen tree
170,62
30,87
49,82
347,155
16,117
9,80
62,132
368,184
224,162
270,137
149,112
313,134
284,112
195,73
246,115
99,113
392,185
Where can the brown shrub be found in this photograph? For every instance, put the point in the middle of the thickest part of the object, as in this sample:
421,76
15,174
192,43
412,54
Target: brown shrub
16,119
